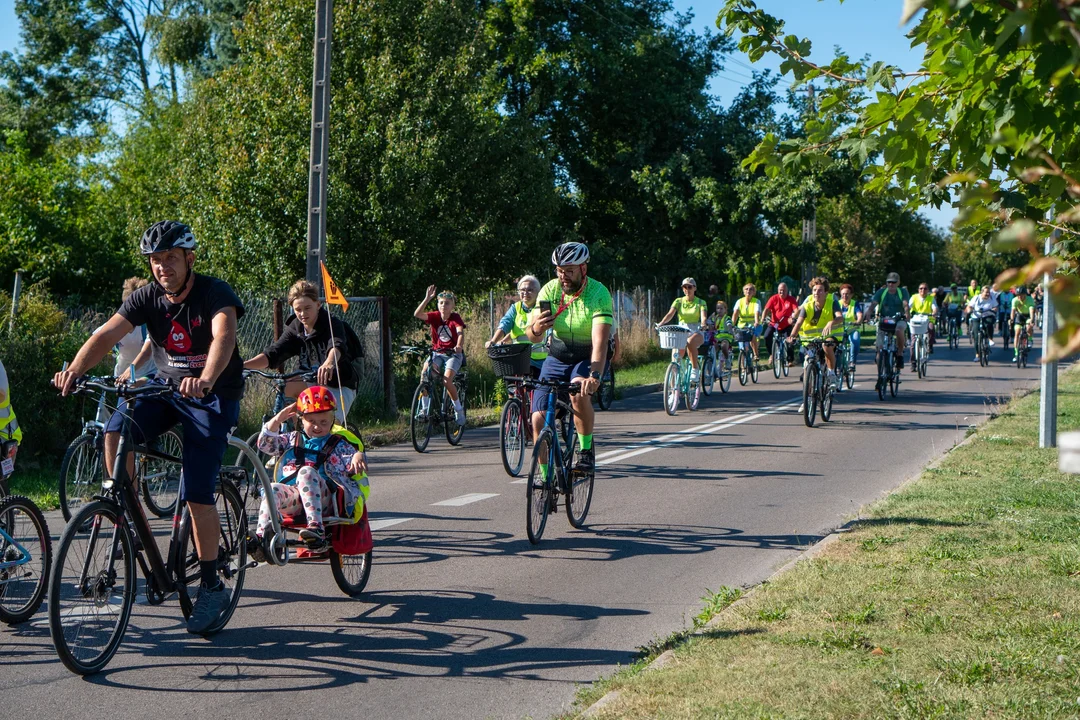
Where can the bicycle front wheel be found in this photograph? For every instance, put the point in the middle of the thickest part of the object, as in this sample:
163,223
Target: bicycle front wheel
708,367
579,496
81,472
671,389
450,424
692,391
826,391
744,369
25,558
91,588
724,379
538,489
753,366
231,554
420,421
512,436
161,478
777,355
809,402
606,394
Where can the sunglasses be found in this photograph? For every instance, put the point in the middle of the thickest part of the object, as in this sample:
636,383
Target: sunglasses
890,282
688,287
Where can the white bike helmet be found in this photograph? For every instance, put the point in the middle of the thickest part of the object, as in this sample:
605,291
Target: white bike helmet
571,253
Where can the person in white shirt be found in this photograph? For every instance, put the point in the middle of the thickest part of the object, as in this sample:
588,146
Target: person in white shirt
983,308
133,348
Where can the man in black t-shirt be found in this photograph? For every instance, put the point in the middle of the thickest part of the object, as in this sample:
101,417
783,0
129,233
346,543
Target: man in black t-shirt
191,322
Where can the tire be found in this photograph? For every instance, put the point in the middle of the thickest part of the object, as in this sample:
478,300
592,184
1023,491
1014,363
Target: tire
753,368
744,369
920,362
160,480
88,617
882,373
894,385
984,353
538,489
419,429
450,426
826,400
809,395
606,395
692,397
579,497
81,472
351,572
706,378
778,356
232,554
252,494
671,389
724,380
512,436
22,587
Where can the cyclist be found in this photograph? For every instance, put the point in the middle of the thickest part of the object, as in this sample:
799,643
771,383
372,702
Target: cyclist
1004,299
747,315
1023,314
1037,296
691,311
923,304
191,319
320,341
852,318
891,302
724,332
781,309
512,326
9,425
447,346
983,308
972,293
817,317
580,323
954,308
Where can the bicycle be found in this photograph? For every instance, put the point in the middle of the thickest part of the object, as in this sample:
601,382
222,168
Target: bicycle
920,344
779,358
747,365
1023,347
817,389
25,548
82,469
92,585
551,473
421,422
677,378
888,374
982,340
845,360
512,363
954,332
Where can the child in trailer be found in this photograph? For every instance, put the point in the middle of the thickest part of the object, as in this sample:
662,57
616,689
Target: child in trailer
314,462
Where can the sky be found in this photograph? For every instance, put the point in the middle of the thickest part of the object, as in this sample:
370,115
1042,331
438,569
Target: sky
860,27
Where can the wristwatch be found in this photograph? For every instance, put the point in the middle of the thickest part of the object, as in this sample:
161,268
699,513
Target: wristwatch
594,375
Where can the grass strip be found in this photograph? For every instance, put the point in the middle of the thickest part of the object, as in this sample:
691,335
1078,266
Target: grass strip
956,597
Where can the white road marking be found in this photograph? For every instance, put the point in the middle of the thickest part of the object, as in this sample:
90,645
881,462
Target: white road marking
466,499
665,438
520,481
382,523
667,441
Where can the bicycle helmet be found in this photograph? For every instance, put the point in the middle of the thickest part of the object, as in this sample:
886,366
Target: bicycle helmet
571,253
315,399
166,235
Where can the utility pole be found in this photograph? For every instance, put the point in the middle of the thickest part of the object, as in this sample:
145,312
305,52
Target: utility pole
1048,394
320,140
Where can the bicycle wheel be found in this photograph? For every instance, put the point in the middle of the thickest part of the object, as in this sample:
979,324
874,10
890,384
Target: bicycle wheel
809,395
826,400
753,366
779,365
919,360
161,479
450,426
882,375
984,352
351,572
708,368
92,587
512,436
671,389
579,492
691,390
744,369
252,493
25,558
419,421
81,472
724,377
538,489
231,559
606,395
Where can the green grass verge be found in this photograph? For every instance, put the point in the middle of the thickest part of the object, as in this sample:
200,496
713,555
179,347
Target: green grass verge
956,597
38,483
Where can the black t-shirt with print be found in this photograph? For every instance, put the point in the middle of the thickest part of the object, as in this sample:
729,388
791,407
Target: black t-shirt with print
312,349
181,333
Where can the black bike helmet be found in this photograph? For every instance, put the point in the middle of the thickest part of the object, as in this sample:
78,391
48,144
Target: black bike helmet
166,235
571,253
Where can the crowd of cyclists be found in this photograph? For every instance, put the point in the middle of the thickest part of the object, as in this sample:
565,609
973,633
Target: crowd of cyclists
180,329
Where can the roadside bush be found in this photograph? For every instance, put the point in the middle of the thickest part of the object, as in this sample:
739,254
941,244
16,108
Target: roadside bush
33,349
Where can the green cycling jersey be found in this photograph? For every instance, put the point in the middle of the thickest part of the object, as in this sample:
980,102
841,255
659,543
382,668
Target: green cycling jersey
575,315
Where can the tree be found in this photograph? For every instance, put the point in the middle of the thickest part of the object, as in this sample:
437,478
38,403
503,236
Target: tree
987,120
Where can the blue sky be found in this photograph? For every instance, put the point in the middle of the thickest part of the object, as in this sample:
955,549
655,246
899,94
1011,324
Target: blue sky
860,27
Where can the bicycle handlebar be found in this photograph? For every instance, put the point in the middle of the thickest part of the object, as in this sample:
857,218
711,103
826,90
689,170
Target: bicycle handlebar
125,390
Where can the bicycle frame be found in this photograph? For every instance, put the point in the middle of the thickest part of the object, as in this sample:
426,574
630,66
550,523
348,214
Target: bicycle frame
556,455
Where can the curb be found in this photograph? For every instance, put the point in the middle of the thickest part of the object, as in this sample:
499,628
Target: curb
810,553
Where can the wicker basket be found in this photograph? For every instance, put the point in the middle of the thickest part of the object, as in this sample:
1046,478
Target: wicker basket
673,337
919,324
511,360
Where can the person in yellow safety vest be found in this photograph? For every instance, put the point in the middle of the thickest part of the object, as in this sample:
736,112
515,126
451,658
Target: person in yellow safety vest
747,315
817,317
923,304
513,324
9,425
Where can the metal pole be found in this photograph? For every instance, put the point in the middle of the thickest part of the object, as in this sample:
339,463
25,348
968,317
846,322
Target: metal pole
384,337
491,312
320,140
1048,395
15,300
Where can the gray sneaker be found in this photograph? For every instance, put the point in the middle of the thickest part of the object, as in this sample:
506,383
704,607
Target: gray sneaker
209,606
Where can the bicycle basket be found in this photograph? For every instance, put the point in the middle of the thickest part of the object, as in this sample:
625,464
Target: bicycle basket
887,325
919,324
511,360
673,337
745,335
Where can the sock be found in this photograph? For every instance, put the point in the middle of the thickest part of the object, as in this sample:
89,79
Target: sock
584,441
208,573
543,471
425,402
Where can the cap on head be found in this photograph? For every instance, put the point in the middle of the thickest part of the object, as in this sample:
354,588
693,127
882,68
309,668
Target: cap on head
893,277
315,399
689,281
166,235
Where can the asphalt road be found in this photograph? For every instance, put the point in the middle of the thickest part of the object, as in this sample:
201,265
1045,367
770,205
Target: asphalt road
463,618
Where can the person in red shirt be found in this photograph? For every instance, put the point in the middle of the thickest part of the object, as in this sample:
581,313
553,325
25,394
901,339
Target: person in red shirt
781,309
447,345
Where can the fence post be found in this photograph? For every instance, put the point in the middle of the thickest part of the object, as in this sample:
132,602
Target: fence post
15,300
388,377
648,295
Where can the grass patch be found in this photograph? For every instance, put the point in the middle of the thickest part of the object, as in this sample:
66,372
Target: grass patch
958,596
649,373
38,482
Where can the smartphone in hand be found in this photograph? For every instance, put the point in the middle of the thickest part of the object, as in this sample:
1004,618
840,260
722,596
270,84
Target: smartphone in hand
545,306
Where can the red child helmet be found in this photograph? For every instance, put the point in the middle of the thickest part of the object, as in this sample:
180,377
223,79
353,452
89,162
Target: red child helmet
315,399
